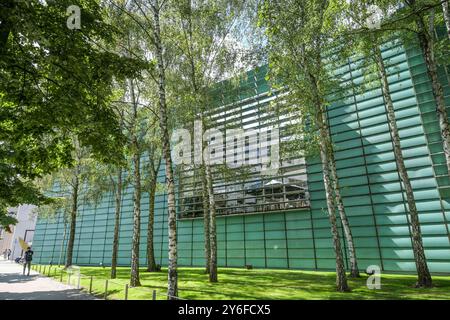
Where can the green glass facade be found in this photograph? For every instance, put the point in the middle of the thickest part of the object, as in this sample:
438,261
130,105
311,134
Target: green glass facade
300,238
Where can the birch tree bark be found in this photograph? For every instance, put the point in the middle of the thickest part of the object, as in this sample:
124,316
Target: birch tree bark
424,277
63,241
134,277
172,290
73,220
206,220
446,13
118,204
341,278
438,92
427,45
151,264
212,226
354,271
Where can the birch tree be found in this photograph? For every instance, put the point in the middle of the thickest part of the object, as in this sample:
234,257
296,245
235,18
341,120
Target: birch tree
299,34
368,43
419,254
172,290
117,185
423,11
147,17
70,189
208,49
151,185
115,181
137,126
153,15
446,15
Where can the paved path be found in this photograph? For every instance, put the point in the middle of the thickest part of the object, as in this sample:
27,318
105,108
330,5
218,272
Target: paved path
15,286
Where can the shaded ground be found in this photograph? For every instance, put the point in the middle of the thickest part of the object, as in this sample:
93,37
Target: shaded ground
15,286
258,284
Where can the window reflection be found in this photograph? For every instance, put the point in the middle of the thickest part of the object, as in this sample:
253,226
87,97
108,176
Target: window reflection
243,189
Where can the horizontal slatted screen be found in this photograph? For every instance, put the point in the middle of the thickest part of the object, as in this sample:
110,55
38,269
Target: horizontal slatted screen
300,238
247,132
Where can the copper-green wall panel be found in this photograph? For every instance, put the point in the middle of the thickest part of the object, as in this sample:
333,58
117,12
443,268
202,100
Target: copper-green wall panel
372,192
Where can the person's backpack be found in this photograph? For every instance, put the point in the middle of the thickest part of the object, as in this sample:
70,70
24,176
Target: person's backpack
28,255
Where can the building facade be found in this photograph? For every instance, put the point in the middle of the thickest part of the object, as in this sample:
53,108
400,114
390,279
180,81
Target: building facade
24,230
281,221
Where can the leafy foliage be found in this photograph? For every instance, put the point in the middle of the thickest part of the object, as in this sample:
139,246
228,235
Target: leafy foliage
54,82
86,178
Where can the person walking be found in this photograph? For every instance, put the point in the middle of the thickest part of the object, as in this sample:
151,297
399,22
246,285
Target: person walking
5,254
28,259
9,253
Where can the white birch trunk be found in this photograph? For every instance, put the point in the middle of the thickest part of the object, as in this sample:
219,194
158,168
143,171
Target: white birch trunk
212,226
135,279
424,277
341,277
426,44
206,221
354,271
172,290
73,221
446,13
118,203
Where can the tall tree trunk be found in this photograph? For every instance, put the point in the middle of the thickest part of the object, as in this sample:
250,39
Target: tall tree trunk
424,277
172,290
206,220
151,264
134,279
212,225
354,271
62,243
118,200
341,278
426,44
446,13
205,197
73,221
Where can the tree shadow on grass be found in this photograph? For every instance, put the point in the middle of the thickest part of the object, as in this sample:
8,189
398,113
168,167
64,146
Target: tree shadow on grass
273,284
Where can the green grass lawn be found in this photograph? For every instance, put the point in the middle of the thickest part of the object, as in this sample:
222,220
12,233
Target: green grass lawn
256,284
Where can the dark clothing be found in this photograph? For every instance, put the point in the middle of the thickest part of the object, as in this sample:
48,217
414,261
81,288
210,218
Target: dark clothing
29,255
25,265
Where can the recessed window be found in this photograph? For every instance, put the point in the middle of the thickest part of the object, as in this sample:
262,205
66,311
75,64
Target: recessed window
244,188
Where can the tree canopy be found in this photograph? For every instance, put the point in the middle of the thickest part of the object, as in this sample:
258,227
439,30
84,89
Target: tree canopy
54,82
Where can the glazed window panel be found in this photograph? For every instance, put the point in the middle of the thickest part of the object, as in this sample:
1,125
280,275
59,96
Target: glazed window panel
240,184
